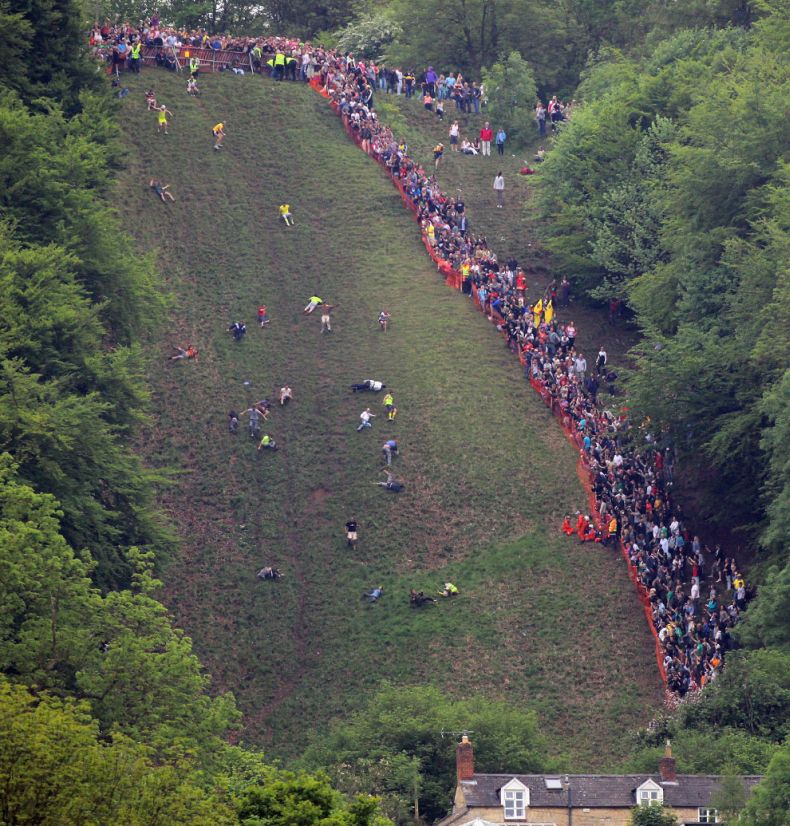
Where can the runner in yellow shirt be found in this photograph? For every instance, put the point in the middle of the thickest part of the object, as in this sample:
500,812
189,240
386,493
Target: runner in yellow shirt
219,133
285,214
161,117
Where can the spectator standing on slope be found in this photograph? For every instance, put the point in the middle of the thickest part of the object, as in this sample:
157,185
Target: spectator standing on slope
499,189
486,136
501,137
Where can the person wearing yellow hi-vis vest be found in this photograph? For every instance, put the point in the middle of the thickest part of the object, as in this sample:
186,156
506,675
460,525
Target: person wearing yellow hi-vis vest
136,57
278,66
194,66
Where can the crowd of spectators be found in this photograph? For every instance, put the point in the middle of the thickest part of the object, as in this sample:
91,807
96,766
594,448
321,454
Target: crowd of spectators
632,504
301,61
631,478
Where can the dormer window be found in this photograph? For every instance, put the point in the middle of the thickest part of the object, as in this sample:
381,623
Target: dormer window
514,797
649,794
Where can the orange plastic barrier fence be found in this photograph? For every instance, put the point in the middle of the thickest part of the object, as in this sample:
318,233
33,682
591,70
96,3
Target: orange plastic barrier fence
454,279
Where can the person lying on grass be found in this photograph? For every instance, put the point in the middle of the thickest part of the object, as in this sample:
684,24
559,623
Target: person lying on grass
369,384
188,352
393,484
418,598
161,190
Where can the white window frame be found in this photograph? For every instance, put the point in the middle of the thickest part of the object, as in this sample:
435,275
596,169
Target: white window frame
514,797
707,814
649,794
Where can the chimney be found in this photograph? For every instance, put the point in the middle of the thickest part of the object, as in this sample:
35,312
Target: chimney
666,766
464,760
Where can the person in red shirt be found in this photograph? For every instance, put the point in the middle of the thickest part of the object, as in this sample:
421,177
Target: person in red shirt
263,316
566,526
486,136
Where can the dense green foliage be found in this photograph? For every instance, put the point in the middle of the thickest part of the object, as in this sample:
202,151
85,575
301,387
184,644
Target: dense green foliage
401,746
105,715
668,189
510,89
653,816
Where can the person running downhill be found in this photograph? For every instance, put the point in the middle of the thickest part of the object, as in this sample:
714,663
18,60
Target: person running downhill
326,318
389,404
351,533
285,214
384,320
365,417
389,449
219,134
161,117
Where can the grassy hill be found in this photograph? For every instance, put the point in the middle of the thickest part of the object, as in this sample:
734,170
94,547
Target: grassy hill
541,620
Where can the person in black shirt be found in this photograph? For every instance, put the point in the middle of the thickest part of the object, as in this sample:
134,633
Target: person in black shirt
351,533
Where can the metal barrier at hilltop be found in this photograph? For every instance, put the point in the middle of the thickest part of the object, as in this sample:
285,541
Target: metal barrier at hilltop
211,60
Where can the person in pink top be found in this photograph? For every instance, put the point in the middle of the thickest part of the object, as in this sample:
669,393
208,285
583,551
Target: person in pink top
486,136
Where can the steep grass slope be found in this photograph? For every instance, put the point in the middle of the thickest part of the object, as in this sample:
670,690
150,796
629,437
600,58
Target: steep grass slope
541,620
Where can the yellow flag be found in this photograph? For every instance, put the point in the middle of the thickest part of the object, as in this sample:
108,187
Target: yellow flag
549,314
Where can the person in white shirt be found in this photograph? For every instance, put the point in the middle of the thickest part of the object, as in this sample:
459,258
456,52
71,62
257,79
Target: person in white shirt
365,417
499,188
368,384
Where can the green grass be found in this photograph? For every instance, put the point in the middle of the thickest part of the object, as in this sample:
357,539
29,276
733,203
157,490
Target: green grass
542,621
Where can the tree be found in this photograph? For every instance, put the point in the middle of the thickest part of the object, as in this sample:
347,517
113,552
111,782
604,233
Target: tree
396,743
770,801
511,93
298,799
58,771
730,799
653,816
368,37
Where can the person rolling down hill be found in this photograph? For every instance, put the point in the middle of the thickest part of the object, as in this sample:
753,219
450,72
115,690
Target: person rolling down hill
188,352
392,484
449,590
267,443
373,595
285,214
269,572
219,135
312,303
369,384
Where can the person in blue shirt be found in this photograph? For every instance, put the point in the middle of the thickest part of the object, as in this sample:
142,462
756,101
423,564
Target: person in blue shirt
390,449
501,137
375,594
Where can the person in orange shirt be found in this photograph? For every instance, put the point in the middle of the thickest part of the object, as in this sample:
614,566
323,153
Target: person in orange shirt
566,526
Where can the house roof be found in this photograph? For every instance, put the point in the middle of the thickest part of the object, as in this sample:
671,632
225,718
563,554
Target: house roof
596,790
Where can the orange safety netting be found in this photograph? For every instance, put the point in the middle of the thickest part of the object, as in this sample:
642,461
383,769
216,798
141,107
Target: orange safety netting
454,279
